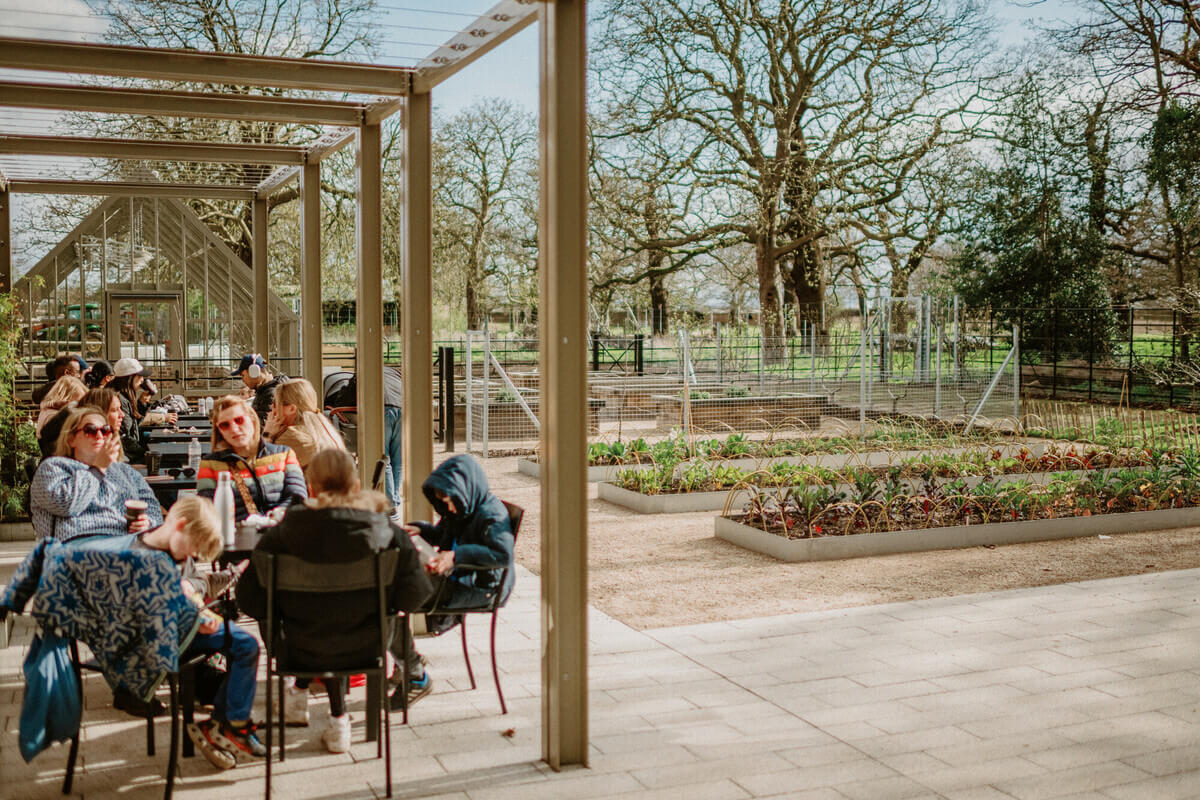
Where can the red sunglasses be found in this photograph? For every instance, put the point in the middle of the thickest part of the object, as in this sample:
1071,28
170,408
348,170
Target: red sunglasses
95,430
229,423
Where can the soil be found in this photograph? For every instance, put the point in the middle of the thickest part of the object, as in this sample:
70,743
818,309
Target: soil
661,570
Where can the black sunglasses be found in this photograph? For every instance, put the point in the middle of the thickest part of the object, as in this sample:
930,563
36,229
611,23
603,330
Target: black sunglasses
92,430
186,472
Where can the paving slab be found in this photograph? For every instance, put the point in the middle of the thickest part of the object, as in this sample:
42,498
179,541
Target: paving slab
1088,690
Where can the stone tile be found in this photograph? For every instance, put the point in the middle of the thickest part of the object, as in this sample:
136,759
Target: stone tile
1180,786
816,776
1054,784
661,777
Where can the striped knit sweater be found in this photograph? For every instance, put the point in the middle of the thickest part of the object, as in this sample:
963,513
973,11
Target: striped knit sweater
273,477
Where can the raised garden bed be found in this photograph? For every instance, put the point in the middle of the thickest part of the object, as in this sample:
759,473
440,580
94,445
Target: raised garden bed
743,413
826,548
686,502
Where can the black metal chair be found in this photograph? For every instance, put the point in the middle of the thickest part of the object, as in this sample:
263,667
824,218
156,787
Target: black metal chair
286,573
498,601
181,686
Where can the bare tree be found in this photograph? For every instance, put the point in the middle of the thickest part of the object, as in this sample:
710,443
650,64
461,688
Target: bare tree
803,113
486,163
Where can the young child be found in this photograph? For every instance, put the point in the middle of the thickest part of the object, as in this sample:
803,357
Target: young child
191,531
472,529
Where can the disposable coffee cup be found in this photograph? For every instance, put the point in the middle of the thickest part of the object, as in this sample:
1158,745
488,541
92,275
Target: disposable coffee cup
134,509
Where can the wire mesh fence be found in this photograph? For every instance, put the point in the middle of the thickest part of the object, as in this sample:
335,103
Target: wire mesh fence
907,358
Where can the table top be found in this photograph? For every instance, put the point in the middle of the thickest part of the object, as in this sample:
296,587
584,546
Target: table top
181,435
173,448
245,540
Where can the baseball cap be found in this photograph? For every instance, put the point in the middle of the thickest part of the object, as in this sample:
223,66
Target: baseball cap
247,360
82,364
129,366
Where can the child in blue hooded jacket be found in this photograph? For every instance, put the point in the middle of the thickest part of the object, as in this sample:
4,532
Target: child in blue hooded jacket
473,530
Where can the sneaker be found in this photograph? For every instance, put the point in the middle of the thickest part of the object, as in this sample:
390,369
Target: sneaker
241,741
397,675
417,689
204,736
295,707
337,736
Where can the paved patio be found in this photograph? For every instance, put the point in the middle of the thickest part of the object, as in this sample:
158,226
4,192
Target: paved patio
1085,690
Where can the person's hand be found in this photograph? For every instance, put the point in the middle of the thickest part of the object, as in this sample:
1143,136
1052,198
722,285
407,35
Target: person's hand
411,530
442,564
209,622
276,514
140,525
109,453
172,417
274,423
245,392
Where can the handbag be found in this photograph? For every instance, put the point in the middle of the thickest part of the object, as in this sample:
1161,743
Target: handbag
51,708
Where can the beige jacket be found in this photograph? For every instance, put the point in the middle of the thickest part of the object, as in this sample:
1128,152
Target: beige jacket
310,434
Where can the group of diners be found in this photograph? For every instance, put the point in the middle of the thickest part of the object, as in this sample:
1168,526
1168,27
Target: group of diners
289,465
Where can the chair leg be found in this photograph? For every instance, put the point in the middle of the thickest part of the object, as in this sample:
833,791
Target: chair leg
150,729
387,730
173,755
282,720
495,668
462,621
270,724
187,704
69,778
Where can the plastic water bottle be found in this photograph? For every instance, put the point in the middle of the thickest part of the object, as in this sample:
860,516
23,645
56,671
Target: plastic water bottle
194,455
223,502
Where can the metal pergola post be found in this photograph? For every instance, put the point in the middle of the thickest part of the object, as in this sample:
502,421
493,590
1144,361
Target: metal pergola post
563,364
260,257
5,240
417,317
369,306
310,273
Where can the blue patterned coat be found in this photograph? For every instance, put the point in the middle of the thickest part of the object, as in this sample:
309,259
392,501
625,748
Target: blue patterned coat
126,605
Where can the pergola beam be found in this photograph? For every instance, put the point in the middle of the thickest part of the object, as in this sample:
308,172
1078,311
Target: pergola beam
278,178
152,150
205,68
131,188
496,26
104,100
330,143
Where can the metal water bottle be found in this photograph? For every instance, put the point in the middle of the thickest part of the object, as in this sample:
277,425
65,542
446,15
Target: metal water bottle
223,501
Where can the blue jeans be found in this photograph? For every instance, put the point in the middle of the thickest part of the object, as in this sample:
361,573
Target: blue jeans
393,441
235,698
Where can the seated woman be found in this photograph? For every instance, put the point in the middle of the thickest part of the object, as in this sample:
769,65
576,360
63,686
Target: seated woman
135,390
66,392
107,401
99,375
266,477
296,420
337,524
473,529
82,489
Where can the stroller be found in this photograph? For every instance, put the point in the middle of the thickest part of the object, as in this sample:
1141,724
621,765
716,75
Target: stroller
339,393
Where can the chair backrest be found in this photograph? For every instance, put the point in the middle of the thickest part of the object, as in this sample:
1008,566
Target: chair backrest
515,515
280,572
294,574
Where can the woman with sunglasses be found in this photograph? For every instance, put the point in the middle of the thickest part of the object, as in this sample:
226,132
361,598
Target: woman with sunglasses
82,490
266,477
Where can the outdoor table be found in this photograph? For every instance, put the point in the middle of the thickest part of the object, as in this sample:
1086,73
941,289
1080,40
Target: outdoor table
172,454
180,435
166,488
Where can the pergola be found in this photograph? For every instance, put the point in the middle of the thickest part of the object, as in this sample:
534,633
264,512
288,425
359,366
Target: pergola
388,90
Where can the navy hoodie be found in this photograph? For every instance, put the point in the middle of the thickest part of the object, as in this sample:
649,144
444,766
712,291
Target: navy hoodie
478,531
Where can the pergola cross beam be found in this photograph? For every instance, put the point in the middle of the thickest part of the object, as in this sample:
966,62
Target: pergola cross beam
210,105
206,68
153,150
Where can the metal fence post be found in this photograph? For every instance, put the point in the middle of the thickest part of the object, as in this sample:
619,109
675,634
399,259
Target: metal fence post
937,376
639,343
762,344
1091,352
862,376
1054,352
448,368
720,369
487,384
1016,376
470,409
1129,379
